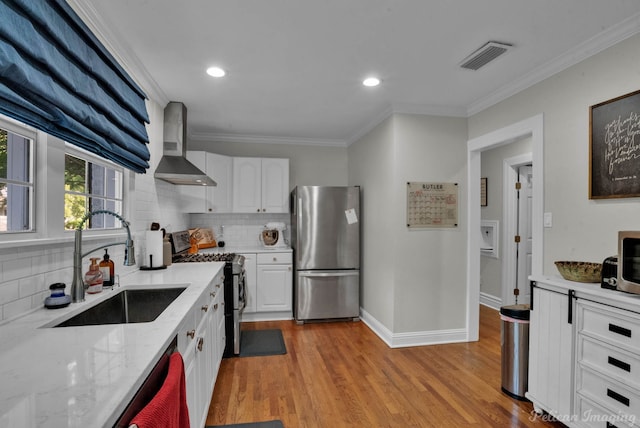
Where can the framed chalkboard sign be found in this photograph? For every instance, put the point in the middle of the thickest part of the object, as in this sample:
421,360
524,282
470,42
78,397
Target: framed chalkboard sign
614,150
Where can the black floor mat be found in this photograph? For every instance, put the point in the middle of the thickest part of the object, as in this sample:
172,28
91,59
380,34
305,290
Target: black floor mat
270,424
255,343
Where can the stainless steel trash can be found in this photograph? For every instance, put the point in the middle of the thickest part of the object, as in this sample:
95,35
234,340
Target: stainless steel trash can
514,341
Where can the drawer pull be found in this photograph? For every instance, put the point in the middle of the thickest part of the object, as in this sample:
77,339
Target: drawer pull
205,308
620,364
212,294
215,308
618,397
620,330
200,344
191,333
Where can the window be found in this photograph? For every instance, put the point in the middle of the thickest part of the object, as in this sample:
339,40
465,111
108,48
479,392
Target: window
91,184
16,182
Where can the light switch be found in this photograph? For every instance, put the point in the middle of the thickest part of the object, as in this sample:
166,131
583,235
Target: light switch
548,220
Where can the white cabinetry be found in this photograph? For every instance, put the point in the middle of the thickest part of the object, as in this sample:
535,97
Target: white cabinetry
550,352
209,199
260,185
608,363
201,343
274,285
269,286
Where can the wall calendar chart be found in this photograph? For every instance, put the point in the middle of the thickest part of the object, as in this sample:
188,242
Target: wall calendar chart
432,205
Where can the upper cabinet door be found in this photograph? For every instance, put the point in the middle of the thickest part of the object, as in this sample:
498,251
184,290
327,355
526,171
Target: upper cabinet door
260,185
275,185
221,196
247,187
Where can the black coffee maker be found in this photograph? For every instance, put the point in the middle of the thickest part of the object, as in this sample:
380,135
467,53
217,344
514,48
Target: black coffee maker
610,273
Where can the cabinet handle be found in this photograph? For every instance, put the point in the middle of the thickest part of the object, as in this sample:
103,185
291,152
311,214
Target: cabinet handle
572,295
215,307
289,268
191,333
618,397
619,330
200,343
532,285
205,308
212,294
258,210
620,364
275,259
264,210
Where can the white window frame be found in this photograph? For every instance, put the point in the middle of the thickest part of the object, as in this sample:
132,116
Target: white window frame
90,157
26,132
48,159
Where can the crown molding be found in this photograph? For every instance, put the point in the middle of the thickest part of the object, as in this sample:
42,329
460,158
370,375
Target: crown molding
429,110
616,34
263,139
119,48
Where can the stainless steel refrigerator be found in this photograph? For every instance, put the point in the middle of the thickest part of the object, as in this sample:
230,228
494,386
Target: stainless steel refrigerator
325,236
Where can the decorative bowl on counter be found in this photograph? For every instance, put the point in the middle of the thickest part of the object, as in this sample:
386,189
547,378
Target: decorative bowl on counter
580,271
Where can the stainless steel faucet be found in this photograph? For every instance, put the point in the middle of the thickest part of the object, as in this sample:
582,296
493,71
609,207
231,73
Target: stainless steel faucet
77,286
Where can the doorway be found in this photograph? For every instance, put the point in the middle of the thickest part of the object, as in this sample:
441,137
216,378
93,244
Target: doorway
518,222
533,128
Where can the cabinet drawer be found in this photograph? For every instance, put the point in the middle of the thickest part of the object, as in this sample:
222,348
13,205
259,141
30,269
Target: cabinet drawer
589,414
609,361
615,326
608,394
274,258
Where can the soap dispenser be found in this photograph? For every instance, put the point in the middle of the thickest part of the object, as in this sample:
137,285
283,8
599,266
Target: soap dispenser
107,267
93,278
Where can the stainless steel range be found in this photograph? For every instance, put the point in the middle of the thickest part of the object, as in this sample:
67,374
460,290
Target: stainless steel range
234,284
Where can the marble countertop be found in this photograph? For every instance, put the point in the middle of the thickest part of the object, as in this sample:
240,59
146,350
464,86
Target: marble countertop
86,376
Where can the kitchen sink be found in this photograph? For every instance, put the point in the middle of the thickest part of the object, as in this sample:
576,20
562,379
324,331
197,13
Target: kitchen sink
125,307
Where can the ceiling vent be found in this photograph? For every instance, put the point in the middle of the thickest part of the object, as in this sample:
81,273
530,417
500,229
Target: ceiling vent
484,55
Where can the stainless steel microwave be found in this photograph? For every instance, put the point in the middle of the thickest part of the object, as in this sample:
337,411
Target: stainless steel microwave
629,261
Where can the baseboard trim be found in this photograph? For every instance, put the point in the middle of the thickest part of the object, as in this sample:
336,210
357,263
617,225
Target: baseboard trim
491,301
419,338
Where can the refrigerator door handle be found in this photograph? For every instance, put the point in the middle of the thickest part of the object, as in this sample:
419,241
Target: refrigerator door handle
329,274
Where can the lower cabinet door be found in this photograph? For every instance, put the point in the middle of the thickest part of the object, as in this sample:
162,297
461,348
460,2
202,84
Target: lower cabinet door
274,288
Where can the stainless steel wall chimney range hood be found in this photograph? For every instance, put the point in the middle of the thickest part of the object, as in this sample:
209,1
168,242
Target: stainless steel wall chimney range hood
174,166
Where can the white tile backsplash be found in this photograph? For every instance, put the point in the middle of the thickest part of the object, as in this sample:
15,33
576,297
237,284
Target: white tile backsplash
241,230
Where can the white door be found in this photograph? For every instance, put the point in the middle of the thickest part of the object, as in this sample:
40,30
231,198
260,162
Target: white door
524,247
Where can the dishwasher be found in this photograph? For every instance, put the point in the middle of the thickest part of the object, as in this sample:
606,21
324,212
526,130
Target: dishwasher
149,388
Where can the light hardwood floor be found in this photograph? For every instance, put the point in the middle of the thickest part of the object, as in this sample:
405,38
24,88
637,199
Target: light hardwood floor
342,375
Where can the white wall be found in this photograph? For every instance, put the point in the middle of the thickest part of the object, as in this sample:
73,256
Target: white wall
582,229
372,166
413,281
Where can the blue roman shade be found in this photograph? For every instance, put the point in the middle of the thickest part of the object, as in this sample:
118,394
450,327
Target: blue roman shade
56,76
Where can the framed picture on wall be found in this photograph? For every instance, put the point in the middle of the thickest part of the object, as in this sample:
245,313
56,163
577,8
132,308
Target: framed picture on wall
614,148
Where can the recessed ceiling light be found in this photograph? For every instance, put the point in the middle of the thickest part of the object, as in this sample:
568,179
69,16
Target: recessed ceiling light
371,81
215,72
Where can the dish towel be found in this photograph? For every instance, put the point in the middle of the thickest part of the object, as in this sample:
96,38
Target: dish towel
168,409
